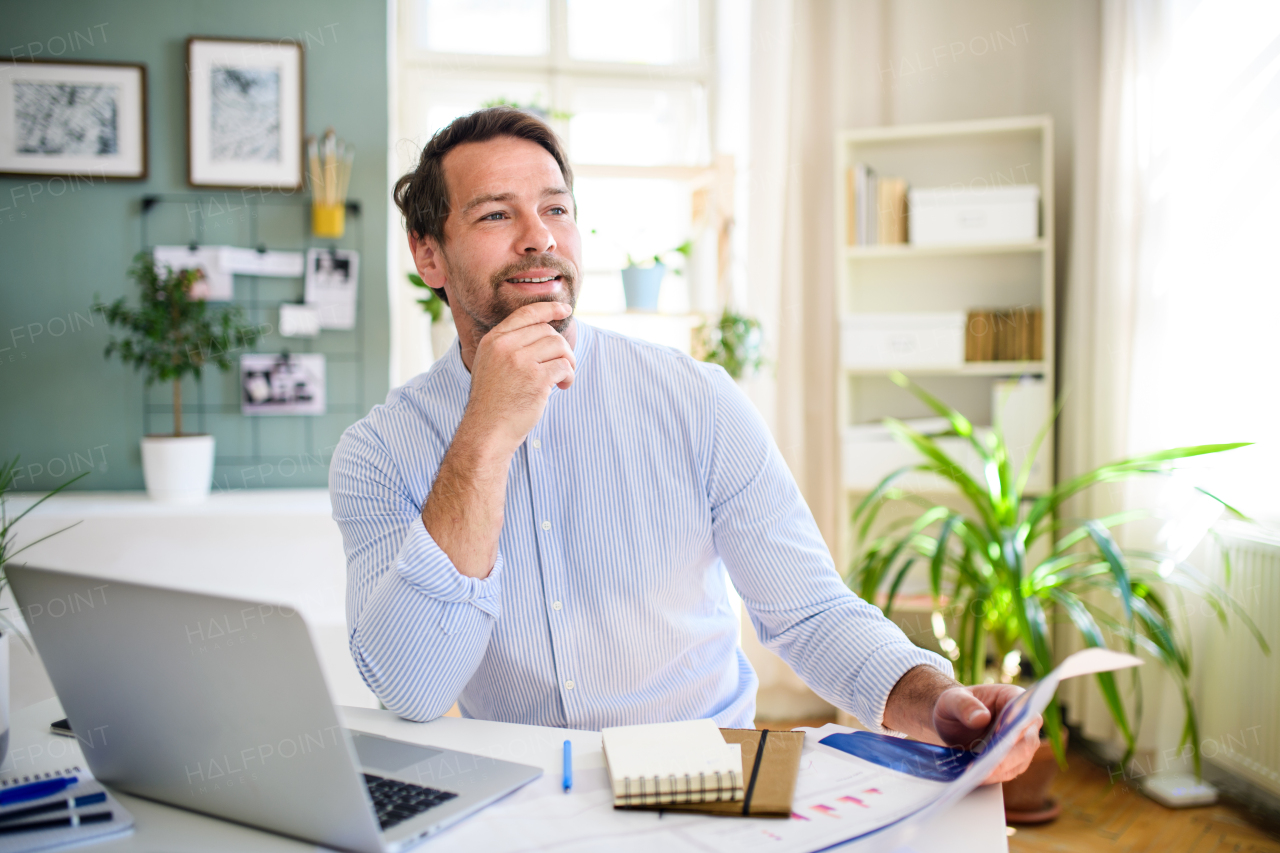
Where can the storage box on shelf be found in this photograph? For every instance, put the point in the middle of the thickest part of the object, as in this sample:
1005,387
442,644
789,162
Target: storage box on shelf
871,453
979,243
894,341
948,216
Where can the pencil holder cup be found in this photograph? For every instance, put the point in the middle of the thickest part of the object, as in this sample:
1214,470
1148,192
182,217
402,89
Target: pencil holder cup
328,220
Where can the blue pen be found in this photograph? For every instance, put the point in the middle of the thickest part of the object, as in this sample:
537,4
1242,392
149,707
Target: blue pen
35,790
568,766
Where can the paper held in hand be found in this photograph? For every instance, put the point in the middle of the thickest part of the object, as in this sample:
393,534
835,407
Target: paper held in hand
683,762
951,777
839,797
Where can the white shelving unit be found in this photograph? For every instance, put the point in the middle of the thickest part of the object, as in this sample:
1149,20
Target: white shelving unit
909,279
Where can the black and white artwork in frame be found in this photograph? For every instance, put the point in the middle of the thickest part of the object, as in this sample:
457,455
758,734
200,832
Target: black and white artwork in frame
74,119
244,122
244,119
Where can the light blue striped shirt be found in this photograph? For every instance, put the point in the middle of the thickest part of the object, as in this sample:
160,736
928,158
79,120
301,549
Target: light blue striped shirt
639,487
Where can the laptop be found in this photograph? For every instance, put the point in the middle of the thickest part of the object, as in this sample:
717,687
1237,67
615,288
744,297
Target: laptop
219,705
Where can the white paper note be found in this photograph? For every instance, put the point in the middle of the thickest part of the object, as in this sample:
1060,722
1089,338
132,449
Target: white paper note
332,276
299,321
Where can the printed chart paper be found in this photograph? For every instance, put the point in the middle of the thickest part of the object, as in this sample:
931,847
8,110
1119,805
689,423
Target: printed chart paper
839,798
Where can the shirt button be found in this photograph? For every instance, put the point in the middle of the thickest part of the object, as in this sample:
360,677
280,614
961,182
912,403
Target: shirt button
555,605
536,444
546,525
568,685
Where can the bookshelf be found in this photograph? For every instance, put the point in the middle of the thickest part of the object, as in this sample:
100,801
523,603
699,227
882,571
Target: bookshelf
903,278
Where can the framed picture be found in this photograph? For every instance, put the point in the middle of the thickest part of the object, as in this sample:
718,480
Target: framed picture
83,119
244,113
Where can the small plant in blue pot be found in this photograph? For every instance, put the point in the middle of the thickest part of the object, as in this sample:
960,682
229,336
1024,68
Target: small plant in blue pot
642,281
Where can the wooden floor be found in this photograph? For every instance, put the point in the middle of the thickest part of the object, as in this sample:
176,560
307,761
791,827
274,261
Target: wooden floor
1097,816
1102,817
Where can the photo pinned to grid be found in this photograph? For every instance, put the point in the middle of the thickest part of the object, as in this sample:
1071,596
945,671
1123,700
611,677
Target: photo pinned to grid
282,384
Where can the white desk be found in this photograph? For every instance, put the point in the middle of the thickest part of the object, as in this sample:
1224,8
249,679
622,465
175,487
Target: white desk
976,825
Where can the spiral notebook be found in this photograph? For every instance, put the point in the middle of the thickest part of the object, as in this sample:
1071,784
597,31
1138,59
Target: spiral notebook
683,762
770,764
75,815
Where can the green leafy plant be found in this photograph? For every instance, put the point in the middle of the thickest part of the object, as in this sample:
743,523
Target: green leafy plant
734,342
173,333
431,303
685,249
1004,599
8,538
544,113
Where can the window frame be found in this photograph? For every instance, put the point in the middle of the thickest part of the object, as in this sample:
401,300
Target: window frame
561,72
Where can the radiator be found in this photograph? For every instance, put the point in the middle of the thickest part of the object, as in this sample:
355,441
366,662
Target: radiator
1240,686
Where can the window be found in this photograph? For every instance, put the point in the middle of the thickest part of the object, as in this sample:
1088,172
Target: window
628,86
1206,301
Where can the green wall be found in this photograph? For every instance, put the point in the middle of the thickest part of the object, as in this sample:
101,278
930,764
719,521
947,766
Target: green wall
64,408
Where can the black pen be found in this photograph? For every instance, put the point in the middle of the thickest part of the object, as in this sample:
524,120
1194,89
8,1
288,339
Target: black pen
56,806
56,823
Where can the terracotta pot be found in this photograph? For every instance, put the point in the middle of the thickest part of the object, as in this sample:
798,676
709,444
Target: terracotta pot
1026,798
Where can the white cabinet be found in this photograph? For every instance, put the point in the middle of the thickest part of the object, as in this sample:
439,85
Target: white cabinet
271,545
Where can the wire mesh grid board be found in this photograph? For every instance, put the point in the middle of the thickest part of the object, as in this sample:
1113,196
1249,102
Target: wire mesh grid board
277,451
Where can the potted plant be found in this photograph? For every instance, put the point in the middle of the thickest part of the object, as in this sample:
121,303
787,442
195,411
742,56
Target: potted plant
8,550
532,107
642,281
734,342
171,334
441,333
1003,599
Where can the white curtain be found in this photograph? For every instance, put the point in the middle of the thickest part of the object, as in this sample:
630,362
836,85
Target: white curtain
781,126
1174,289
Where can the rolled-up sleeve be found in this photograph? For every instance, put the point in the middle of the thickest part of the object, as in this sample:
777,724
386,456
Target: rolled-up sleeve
843,647
417,627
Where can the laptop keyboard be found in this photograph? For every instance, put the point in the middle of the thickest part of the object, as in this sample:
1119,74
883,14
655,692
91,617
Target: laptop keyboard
397,801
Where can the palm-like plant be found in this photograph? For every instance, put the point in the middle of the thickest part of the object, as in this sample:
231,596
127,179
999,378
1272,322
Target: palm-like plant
979,558
8,538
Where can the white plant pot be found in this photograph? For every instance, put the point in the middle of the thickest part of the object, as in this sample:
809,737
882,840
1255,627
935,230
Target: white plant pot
178,469
4,696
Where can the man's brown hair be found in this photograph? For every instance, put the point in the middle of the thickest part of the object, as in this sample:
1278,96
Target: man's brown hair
423,196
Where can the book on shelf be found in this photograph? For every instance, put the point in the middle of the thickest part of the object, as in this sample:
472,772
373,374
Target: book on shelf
892,207
1011,334
876,208
851,218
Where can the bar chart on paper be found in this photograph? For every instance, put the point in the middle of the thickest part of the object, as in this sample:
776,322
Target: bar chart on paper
838,797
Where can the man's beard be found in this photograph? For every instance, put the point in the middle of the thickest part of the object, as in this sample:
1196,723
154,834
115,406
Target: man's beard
500,306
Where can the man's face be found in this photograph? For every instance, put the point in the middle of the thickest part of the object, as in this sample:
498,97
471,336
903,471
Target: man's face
510,238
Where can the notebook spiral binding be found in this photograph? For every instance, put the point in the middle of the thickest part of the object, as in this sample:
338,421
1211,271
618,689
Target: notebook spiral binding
720,792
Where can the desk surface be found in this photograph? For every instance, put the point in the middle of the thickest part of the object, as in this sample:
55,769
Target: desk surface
976,825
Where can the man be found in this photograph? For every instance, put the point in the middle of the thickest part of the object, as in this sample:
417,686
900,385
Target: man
538,527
